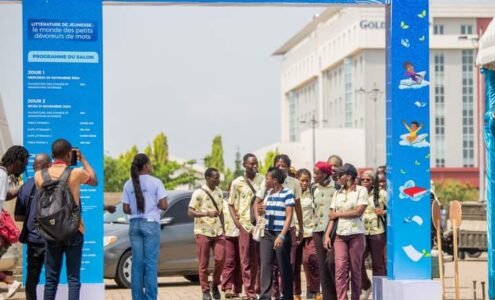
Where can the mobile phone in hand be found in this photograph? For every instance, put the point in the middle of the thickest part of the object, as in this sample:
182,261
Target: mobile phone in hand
73,159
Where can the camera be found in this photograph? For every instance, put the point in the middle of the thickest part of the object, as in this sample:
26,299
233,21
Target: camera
73,159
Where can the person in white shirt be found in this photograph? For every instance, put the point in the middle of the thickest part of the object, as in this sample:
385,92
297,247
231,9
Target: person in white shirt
12,164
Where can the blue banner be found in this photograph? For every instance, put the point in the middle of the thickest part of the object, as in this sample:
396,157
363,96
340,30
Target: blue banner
490,178
63,98
408,141
337,2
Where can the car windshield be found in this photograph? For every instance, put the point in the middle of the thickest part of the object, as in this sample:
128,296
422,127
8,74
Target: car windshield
117,217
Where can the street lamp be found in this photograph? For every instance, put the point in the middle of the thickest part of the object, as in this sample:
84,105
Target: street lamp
373,94
313,122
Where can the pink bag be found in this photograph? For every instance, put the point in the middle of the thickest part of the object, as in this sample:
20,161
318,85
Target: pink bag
8,231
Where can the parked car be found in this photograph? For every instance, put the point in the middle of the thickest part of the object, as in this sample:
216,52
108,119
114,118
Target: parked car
177,242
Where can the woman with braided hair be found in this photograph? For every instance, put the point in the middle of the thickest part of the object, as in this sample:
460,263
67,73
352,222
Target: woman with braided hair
374,230
143,197
12,165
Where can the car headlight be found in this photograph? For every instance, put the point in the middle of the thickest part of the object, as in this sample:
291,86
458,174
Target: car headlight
108,240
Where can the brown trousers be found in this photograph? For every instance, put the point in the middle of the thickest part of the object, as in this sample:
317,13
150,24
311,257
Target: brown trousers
349,257
203,246
231,275
306,256
250,261
375,246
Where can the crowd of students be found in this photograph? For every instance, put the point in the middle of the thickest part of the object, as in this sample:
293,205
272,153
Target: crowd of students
268,228
327,221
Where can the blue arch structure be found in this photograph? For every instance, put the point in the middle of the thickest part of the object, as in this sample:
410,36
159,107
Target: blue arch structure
63,84
490,178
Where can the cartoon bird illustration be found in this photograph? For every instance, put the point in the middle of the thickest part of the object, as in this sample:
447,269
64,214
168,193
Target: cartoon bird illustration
405,43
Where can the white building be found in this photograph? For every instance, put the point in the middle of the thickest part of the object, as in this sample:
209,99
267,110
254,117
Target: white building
342,51
5,137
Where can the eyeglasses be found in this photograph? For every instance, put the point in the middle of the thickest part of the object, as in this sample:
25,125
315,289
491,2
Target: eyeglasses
366,179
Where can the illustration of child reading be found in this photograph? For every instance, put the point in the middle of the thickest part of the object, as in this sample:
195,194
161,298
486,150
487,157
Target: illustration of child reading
413,138
415,79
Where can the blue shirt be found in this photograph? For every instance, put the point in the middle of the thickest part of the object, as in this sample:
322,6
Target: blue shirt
275,209
153,192
27,194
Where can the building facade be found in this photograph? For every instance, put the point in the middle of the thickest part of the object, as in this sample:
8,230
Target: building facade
5,137
333,76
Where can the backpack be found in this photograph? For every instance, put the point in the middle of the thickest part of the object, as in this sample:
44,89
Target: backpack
57,215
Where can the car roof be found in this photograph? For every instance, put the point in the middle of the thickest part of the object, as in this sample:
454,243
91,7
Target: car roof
175,195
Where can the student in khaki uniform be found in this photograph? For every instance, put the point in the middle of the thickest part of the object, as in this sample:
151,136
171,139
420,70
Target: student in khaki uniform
240,202
348,206
323,191
231,275
306,250
206,208
374,227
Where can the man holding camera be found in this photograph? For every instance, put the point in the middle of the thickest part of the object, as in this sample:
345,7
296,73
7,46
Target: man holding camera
63,153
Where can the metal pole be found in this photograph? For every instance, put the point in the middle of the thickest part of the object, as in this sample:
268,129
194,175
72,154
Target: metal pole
376,132
481,136
313,123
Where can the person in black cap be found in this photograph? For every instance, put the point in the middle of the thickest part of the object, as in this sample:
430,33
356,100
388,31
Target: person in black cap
348,205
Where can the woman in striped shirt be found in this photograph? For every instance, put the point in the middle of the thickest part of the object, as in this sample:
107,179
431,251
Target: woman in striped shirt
276,242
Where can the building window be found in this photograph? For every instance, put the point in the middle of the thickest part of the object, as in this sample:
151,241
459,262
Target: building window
437,29
292,117
466,29
348,92
303,104
467,109
439,66
440,163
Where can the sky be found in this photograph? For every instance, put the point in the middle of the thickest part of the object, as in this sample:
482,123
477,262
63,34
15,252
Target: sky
190,72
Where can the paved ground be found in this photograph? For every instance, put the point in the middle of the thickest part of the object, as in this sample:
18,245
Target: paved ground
177,288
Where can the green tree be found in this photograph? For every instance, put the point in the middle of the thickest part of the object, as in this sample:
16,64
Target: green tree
228,176
238,165
148,150
450,190
268,161
128,157
160,148
172,173
215,158
115,174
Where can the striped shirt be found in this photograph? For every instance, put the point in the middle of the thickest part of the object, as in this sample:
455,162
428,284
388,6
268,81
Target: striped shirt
275,209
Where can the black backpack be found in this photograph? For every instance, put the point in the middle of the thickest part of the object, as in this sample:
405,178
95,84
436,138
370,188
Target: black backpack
57,215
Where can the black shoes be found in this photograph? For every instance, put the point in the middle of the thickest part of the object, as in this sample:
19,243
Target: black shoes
206,296
215,292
